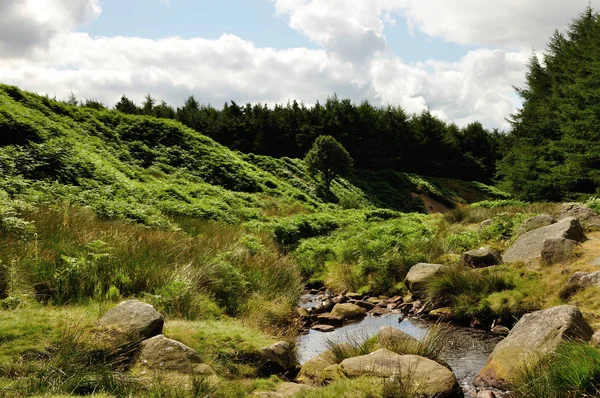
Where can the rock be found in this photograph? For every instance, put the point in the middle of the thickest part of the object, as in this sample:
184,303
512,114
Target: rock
441,313
486,223
171,361
378,311
329,319
134,318
340,299
595,341
278,357
585,279
395,300
349,311
482,257
543,220
44,291
595,262
323,328
365,304
530,246
588,217
322,308
557,250
283,390
535,334
395,340
428,377
302,313
416,279
485,394
500,330
312,370
354,296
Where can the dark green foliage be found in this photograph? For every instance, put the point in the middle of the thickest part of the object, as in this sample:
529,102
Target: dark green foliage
555,140
328,159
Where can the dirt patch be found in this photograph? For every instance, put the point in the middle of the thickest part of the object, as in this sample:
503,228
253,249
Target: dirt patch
431,205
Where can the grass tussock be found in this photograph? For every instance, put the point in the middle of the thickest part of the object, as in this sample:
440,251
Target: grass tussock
573,371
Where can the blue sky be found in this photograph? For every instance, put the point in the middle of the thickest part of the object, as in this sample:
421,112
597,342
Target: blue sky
253,20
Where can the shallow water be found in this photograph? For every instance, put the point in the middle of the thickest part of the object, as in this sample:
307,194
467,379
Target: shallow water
466,349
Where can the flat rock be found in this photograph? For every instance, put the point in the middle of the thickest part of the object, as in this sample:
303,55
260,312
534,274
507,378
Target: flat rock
535,334
365,304
530,246
283,390
134,318
542,220
278,357
589,218
323,328
354,296
428,377
482,257
329,319
348,311
416,279
378,311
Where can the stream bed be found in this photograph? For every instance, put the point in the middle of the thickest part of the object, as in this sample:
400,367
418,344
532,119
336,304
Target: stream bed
466,350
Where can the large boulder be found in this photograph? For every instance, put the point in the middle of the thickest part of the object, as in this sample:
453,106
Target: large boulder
588,217
531,246
427,377
348,311
585,279
482,257
278,357
312,372
535,334
542,220
557,250
396,340
171,361
133,318
416,279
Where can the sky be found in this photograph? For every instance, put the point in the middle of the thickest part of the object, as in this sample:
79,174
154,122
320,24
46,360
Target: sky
460,59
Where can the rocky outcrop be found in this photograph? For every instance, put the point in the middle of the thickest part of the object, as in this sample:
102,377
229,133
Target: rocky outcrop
542,220
133,318
532,245
482,257
416,279
535,334
278,357
283,390
588,217
348,311
169,359
427,377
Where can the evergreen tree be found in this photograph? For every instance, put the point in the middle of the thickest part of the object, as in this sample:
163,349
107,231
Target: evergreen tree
126,105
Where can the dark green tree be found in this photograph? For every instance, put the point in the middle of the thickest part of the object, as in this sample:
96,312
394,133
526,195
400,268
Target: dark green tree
126,105
328,159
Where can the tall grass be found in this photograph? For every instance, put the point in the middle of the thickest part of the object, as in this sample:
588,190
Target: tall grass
80,257
573,371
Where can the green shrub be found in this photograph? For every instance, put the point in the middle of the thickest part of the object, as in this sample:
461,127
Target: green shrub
492,204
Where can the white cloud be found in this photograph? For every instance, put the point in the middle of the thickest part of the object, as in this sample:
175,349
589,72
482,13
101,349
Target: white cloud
40,51
30,24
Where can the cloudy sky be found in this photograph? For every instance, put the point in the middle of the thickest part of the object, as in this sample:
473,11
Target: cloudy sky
458,58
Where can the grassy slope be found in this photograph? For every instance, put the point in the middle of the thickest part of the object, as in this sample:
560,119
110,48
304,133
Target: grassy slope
231,234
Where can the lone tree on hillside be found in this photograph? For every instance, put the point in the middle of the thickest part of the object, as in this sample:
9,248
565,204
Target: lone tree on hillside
328,159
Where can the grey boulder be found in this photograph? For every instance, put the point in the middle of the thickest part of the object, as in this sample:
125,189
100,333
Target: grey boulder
482,257
532,245
542,220
133,318
535,335
416,279
588,217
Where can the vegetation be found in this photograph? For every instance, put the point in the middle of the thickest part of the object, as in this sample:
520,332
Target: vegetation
328,159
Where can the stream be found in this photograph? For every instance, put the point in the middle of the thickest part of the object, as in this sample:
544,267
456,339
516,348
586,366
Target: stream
466,349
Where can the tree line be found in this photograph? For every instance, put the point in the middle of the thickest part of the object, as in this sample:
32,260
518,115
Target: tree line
376,137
